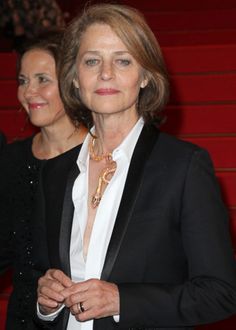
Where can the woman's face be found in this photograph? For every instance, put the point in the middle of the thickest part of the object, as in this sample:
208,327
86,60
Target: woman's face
38,88
108,76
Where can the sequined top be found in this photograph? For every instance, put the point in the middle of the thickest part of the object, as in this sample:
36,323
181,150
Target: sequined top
19,177
20,174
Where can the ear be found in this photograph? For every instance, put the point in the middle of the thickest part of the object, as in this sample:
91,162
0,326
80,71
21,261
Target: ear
75,82
144,82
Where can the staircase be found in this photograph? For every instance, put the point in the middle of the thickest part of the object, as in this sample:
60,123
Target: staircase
198,39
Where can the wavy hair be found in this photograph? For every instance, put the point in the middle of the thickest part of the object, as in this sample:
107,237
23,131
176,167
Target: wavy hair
131,27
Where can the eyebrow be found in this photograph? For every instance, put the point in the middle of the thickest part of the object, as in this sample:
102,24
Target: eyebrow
36,75
96,52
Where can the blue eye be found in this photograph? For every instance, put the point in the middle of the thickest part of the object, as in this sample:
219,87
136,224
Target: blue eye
43,79
91,62
123,62
22,81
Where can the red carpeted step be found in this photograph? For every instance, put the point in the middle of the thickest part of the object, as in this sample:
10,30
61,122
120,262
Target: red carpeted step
8,94
8,65
200,119
201,58
200,37
203,88
227,180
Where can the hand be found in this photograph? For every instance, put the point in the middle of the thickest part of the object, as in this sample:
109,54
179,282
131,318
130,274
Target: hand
50,288
98,299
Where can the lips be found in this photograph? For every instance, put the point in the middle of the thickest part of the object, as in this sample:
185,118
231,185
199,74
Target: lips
106,91
34,106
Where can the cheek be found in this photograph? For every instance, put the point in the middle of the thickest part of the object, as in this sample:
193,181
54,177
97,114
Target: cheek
22,100
132,89
48,93
20,95
85,90
51,94
131,81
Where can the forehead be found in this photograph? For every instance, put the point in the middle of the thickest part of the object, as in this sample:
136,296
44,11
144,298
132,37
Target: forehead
100,36
37,58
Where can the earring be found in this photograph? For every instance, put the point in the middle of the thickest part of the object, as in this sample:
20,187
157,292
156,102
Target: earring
75,83
144,83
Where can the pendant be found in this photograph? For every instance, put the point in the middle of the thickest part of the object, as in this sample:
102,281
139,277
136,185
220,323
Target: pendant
103,180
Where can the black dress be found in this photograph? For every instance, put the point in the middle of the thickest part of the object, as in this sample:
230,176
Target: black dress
21,210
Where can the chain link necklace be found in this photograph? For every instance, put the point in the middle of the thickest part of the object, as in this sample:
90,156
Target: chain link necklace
105,175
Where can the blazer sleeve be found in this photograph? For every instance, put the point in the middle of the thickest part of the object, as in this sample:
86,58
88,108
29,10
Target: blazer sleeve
209,293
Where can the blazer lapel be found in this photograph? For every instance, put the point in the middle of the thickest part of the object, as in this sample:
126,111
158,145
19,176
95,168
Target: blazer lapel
145,144
66,222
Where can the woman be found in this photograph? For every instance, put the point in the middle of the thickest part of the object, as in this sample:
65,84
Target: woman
143,241
21,163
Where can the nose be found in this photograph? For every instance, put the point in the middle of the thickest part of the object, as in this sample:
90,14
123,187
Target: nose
107,71
30,90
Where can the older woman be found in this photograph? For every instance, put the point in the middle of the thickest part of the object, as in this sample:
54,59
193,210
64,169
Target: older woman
143,240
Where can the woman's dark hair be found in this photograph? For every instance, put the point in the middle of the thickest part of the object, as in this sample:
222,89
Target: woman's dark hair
48,42
131,27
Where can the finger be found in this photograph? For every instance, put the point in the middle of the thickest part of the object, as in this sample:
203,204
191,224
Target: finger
75,309
81,287
74,299
62,278
45,302
51,292
102,300
50,282
50,288
75,293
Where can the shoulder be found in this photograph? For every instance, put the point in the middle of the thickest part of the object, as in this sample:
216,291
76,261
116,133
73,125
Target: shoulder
14,155
57,168
174,152
13,149
176,147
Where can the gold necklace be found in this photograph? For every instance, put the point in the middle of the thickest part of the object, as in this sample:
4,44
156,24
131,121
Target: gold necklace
95,157
105,175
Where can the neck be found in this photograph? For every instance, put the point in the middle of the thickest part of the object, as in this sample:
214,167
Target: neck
111,133
51,142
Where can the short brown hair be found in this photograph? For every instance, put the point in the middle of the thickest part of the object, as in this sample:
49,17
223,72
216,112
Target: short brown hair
131,27
48,42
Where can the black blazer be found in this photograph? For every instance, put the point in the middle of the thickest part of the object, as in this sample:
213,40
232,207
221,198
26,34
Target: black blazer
2,140
170,252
